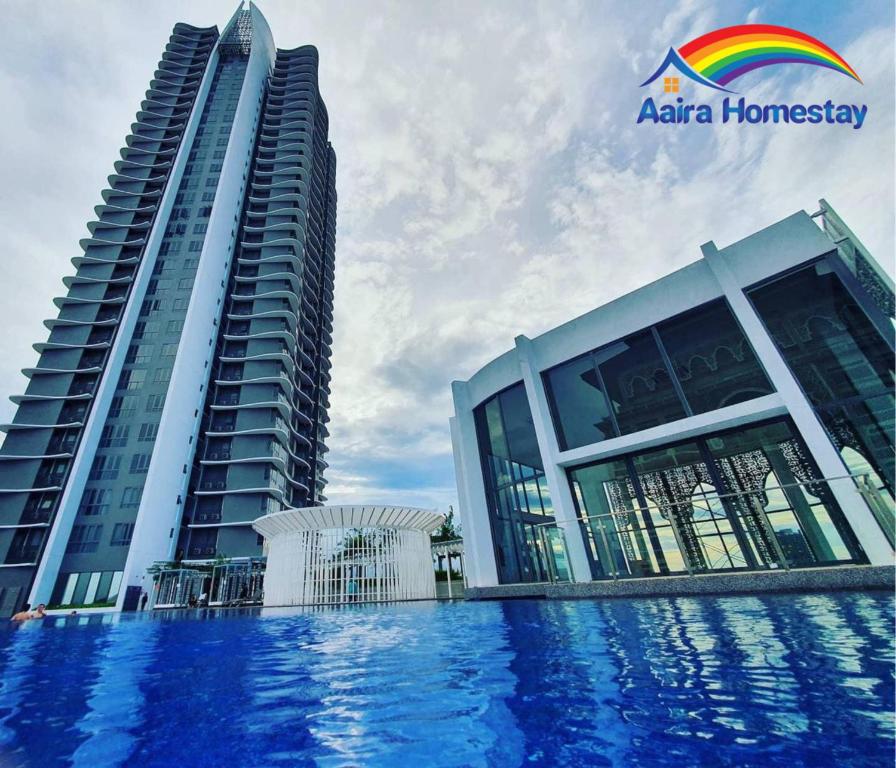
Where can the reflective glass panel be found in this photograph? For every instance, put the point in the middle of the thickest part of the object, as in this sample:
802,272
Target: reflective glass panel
624,538
712,358
579,405
828,341
638,384
787,511
516,489
679,486
842,363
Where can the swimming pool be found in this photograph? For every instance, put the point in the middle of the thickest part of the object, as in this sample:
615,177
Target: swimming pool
784,680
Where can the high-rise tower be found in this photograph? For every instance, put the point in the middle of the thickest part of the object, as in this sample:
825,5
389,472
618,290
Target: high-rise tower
183,390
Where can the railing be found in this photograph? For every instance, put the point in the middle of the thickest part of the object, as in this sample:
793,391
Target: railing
772,527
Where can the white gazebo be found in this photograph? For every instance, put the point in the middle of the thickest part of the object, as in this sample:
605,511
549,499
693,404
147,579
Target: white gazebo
348,554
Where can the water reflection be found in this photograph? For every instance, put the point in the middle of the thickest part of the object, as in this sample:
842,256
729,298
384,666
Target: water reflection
790,680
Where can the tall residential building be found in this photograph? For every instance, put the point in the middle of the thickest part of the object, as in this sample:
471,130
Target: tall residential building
734,416
183,389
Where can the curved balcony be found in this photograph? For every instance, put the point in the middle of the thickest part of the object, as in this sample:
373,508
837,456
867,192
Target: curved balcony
123,178
283,335
246,281
296,172
40,489
291,258
19,399
281,294
280,379
291,196
275,492
232,432
88,242
43,346
61,301
277,460
35,457
136,137
93,226
56,322
177,113
284,409
77,261
279,242
278,187
292,210
27,427
305,356
181,107
278,147
111,193
70,280
281,357
282,226
99,210
273,313
185,96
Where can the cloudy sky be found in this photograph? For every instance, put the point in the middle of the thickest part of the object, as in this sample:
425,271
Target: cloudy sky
492,180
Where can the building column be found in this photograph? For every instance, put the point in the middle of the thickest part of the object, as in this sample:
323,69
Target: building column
472,503
558,483
826,456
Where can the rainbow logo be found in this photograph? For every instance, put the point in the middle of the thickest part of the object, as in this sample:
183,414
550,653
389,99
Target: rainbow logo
719,57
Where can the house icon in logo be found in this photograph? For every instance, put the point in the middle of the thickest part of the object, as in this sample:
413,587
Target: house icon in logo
673,59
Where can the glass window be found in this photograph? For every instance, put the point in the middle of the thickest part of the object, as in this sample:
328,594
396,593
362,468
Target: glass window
678,485
579,406
842,363
623,537
130,497
748,498
95,501
825,337
121,534
805,519
638,383
712,359
84,539
139,463
516,489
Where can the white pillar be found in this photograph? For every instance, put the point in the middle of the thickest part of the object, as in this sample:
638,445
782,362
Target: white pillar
817,441
558,483
448,560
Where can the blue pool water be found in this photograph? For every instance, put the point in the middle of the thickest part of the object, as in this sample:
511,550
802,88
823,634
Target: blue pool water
787,680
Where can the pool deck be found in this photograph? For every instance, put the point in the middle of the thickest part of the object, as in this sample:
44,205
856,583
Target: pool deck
851,577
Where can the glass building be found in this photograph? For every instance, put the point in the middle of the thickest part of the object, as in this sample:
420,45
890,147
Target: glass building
183,389
736,415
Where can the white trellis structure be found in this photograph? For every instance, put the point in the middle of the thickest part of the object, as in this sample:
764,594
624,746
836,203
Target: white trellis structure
348,554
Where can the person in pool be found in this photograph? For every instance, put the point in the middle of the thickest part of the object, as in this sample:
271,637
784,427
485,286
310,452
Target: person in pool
38,613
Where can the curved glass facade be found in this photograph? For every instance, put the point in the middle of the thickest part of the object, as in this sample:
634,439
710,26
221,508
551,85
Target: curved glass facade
519,500
693,363
744,499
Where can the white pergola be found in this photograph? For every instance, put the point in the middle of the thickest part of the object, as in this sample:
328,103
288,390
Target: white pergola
348,554
449,549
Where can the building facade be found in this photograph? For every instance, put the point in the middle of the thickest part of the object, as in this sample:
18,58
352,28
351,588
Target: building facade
736,415
183,389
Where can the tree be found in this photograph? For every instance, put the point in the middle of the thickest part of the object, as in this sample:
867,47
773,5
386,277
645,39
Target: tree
449,530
